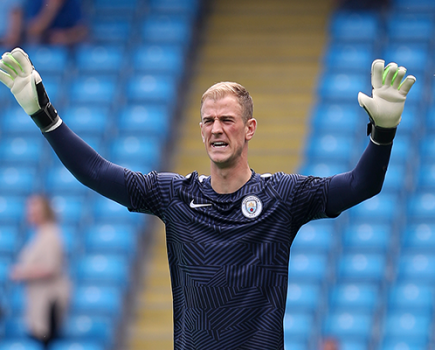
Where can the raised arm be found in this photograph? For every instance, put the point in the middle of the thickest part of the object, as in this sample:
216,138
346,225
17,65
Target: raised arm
19,75
385,109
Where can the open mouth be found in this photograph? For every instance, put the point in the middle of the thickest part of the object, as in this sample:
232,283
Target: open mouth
219,144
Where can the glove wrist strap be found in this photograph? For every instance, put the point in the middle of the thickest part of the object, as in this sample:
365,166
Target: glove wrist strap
46,117
381,136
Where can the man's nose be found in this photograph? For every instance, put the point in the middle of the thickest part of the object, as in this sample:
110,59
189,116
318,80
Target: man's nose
217,127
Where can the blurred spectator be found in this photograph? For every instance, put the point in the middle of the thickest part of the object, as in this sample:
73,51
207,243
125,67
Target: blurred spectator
41,267
11,23
55,22
329,344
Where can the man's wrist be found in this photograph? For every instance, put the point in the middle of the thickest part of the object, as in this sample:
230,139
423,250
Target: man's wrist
381,136
46,118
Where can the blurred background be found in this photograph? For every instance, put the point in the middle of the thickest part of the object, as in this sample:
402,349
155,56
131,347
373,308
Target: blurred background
128,79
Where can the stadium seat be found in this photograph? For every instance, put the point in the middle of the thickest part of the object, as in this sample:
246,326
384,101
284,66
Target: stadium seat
315,236
404,149
342,86
99,58
331,146
410,27
411,296
427,148
21,150
49,59
421,205
76,345
109,270
324,168
137,149
9,240
98,329
419,237
402,343
354,296
11,209
152,88
362,267
408,324
348,323
366,236
396,178
298,326
303,296
384,207
15,328
416,267
18,179
5,264
87,119
328,117
15,121
60,181
354,26
95,89
110,212
159,58
109,30
111,239
189,7
410,55
69,208
352,344
20,344
16,299
342,56
174,28
96,300
308,267
71,239
413,5
145,120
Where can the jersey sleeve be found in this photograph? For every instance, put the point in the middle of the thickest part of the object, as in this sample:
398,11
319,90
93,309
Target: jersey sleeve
305,196
150,193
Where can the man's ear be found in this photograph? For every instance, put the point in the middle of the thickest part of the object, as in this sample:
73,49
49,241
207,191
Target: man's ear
251,126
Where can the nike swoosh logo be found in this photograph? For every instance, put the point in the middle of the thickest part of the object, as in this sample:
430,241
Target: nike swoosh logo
193,205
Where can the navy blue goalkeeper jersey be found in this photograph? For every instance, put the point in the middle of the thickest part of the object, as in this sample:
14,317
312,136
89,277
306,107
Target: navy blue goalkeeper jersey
229,253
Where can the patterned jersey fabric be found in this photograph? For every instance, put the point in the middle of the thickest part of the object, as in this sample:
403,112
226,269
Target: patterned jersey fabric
229,253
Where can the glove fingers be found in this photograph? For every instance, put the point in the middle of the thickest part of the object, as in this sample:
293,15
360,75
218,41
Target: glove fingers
401,71
6,79
377,72
19,61
407,84
6,68
389,73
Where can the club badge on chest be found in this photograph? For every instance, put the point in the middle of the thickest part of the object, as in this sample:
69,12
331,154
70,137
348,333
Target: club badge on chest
251,206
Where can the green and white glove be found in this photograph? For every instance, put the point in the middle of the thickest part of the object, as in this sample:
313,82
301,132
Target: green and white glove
385,107
19,75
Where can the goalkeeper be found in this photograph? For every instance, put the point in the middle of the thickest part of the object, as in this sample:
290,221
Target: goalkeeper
228,234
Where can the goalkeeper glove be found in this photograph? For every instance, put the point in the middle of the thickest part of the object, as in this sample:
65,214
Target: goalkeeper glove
385,107
19,75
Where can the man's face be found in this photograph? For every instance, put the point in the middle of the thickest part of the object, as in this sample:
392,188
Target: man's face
223,130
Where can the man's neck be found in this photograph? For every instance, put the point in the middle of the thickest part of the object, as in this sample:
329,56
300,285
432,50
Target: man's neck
229,180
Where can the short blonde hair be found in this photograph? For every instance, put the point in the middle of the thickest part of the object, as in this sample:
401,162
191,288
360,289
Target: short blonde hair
225,88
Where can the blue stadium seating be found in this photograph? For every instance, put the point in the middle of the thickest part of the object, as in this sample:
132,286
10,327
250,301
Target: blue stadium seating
366,236
18,179
303,296
410,55
101,58
298,326
308,267
60,181
154,88
407,324
342,56
349,323
143,120
362,267
87,119
413,5
410,27
416,267
342,86
354,26
69,208
11,209
331,147
324,168
315,236
411,296
50,59
96,300
9,240
329,117
421,205
419,236
21,150
93,89
159,59
76,345
16,121
188,7
354,296
139,149
109,30
167,28
384,207
20,344
394,343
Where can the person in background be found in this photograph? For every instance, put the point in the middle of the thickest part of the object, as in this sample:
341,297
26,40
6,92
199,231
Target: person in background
58,22
41,267
11,22
330,344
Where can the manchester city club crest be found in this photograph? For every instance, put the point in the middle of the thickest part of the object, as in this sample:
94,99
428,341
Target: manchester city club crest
251,206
